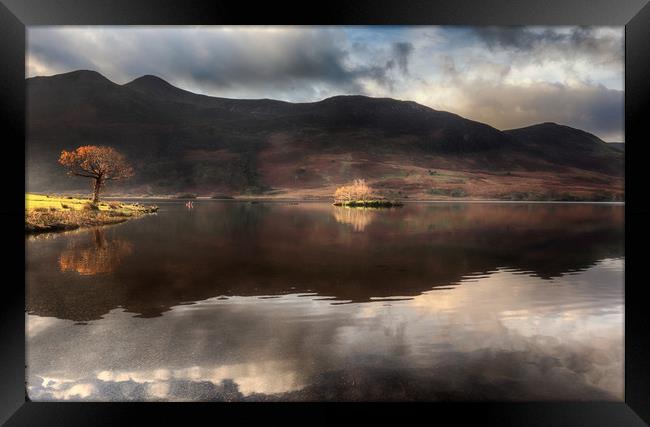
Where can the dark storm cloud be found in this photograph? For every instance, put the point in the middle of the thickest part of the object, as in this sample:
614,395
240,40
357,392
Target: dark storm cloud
601,46
515,37
402,52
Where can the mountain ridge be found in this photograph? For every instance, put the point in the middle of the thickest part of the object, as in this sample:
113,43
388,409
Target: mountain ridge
193,142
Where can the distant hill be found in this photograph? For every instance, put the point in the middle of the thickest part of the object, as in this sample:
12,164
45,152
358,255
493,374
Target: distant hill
567,146
184,142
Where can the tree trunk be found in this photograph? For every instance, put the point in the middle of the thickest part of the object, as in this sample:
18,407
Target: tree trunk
96,188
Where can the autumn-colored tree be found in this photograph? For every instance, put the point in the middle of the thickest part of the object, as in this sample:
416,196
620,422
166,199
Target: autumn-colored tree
97,162
361,189
343,193
358,190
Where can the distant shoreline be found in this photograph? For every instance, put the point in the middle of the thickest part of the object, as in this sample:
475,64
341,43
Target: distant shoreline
330,200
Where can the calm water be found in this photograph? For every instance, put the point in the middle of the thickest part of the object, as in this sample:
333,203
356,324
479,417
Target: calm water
279,301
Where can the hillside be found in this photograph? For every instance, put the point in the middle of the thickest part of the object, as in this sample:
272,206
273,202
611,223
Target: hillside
620,146
566,146
183,142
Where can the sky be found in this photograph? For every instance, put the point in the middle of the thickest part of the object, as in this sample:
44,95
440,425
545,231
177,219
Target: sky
507,77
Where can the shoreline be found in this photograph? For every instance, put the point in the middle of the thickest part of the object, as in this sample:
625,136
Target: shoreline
54,214
328,197
51,214
330,200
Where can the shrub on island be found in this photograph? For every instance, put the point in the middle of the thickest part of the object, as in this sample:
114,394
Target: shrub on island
359,194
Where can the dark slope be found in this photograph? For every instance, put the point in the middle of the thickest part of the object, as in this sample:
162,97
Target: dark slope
620,146
438,131
180,140
564,145
84,97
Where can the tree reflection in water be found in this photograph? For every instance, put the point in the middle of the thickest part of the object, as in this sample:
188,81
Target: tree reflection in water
94,256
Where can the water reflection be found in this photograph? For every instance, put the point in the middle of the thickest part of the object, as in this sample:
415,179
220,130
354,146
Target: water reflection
358,218
242,302
95,256
241,249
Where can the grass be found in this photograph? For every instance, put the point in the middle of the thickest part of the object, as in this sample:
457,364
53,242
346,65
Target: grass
57,213
367,203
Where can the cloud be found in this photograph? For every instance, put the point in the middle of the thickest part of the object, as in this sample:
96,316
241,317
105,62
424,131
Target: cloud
483,93
403,51
603,45
591,107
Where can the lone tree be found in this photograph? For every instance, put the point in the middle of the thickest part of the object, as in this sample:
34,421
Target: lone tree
97,162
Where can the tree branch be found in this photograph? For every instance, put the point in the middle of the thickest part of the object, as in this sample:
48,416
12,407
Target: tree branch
84,175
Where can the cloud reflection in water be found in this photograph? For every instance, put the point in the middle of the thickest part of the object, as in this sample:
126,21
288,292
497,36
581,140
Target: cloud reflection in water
527,339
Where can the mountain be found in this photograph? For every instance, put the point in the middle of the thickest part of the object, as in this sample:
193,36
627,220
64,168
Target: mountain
180,141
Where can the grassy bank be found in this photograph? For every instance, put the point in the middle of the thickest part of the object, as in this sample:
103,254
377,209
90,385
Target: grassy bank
56,213
368,203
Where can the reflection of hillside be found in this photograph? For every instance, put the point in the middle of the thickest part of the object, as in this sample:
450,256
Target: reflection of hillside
358,218
100,256
239,249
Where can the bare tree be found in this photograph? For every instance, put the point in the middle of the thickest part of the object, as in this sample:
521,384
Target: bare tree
98,163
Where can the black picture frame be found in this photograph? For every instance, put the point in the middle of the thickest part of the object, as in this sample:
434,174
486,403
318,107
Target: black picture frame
15,15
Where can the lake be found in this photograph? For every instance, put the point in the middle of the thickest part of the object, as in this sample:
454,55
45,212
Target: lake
287,301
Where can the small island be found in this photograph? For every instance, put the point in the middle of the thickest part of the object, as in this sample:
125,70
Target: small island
360,195
47,213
